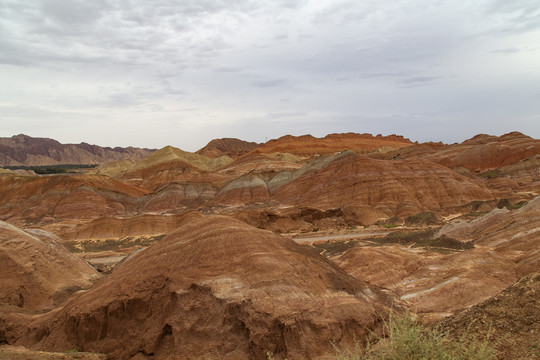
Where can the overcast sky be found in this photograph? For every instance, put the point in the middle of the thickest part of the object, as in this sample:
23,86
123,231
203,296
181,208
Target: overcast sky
182,72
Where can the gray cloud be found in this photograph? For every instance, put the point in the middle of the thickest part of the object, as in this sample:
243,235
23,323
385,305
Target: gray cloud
247,65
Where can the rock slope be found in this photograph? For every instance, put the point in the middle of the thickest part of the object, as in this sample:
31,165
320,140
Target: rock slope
391,188
230,147
308,145
478,154
506,248
216,288
38,274
510,320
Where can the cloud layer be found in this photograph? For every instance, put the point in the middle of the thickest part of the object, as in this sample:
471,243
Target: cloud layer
164,72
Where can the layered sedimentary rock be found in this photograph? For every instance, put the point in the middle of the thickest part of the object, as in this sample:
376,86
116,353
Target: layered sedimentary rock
38,274
40,200
216,288
117,227
231,147
399,188
29,151
308,145
506,248
478,154
169,165
178,196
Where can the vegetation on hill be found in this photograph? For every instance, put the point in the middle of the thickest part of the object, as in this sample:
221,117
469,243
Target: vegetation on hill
52,169
406,339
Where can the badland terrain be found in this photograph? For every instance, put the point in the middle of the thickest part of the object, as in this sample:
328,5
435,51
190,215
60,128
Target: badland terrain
298,247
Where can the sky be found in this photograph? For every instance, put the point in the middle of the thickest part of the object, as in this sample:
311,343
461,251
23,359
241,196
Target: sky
183,72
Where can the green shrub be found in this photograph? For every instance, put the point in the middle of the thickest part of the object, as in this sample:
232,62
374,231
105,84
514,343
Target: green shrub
406,339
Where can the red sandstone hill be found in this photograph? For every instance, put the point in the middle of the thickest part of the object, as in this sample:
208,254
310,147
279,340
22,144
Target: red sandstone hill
390,188
231,147
308,145
215,288
38,273
480,153
40,200
29,151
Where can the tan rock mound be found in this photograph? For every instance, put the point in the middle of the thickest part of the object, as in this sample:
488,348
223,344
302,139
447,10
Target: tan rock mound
170,153
216,288
38,274
230,147
174,165
114,169
308,145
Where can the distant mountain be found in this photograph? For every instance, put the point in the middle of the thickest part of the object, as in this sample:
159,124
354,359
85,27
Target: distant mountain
23,150
228,146
308,145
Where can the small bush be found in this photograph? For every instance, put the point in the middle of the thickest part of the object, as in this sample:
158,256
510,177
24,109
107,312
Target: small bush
406,339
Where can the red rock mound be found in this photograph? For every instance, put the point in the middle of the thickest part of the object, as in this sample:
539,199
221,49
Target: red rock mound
330,144
481,153
227,146
38,274
216,288
39,200
391,188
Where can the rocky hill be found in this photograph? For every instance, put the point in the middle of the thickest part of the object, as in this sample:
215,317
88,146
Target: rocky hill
23,150
216,288
307,145
480,153
38,272
230,147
